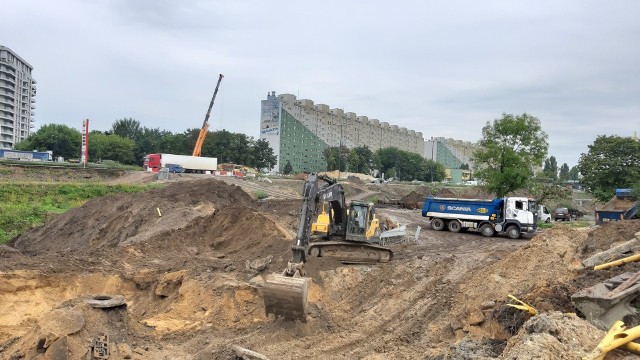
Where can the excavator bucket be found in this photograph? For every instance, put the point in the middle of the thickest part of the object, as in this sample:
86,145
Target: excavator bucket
286,296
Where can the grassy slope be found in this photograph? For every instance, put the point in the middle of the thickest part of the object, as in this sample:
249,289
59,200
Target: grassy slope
25,205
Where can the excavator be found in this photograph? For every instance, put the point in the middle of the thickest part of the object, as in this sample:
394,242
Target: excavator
345,233
205,125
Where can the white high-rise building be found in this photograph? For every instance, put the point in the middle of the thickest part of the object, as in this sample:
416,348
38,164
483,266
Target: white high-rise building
17,98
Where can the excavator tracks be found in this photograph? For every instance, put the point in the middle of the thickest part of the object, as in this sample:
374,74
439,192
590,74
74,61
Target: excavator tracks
350,252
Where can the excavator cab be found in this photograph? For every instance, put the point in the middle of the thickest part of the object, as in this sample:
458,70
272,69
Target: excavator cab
362,223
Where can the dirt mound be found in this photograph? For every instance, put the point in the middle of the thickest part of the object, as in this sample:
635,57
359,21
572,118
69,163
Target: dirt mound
301,176
608,234
134,177
617,204
129,218
345,175
355,180
469,192
414,200
549,261
57,174
553,336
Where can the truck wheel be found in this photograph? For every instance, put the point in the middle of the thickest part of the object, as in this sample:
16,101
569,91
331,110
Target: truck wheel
487,230
548,220
455,226
513,232
437,224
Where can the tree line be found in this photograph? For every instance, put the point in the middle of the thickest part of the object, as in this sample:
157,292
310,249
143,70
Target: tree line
391,161
511,149
513,146
127,142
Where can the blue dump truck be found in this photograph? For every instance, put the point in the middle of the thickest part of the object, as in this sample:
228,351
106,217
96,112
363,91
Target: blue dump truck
622,206
512,216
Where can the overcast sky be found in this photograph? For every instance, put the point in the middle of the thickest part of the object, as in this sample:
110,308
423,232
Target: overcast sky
444,68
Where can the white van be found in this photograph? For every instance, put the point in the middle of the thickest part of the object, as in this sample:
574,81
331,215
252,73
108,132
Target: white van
543,214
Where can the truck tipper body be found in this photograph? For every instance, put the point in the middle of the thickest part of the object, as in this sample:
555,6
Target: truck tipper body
512,216
153,162
622,206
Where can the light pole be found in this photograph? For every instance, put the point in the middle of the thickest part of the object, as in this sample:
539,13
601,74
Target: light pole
432,146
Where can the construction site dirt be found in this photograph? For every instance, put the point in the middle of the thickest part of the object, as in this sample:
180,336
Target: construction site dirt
186,262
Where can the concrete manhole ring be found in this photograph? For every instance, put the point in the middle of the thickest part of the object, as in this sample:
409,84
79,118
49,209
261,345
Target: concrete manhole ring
106,301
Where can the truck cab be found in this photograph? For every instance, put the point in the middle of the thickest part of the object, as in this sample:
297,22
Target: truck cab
152,163
520,210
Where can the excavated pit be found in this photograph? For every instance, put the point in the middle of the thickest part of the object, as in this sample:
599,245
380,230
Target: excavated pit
191,279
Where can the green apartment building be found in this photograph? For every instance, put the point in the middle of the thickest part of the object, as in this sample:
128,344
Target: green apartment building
299,131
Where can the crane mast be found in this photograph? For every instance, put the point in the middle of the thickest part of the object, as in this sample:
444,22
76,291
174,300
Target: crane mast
205,125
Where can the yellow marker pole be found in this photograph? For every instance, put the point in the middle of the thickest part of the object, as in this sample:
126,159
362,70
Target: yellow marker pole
159,213
617,337
524,306
619,262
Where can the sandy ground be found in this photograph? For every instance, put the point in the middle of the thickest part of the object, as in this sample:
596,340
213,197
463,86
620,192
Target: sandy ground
189,276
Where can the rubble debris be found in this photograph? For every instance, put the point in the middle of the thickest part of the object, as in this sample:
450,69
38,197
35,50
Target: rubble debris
552,336
100,348
106,301
259,264
247,354
615,252
603,305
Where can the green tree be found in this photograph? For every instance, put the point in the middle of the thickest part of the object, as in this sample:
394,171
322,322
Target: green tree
574,173
406,166
60,139
127,128
551,168
564,172
612,162
228,147
149,142
360,159
111,147
434,171
287,168
336,157
263,155
543,188
388,158
509,149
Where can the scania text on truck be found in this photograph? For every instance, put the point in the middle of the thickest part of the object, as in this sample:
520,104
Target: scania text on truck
192,164
512,216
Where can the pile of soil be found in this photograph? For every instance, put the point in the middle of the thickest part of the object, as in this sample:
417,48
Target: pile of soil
301,176
124,218
616,204
355,180
58,174
609,234
414,200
